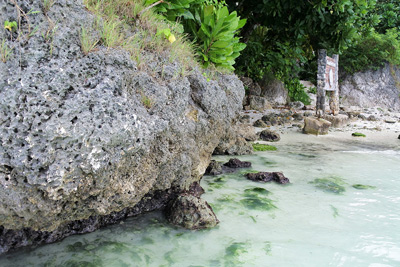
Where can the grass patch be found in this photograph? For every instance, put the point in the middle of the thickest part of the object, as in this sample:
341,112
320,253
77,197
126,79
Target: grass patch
122,24
263,147
330,184
5,51
363,187
358,135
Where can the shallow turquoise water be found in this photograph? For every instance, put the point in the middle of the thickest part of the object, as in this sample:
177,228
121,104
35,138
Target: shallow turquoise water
300,224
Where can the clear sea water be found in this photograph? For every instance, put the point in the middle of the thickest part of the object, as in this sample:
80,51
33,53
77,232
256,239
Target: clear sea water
342,208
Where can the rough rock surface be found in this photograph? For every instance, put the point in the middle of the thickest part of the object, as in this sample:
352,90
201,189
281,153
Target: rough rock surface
77,141
274,91
247,131
268,177
316,126
214,168
270,136
236,163
372,88
191,212
339,120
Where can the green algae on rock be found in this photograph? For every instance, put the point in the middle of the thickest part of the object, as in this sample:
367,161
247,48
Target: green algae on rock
255,202
263,147
363,187
255,191
330,184
358,134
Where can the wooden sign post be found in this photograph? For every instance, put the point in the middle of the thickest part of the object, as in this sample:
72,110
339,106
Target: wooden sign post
327,83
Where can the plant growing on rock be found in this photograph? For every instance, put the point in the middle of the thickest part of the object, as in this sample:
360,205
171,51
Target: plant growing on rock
88,43
5,51
47,4
211,26
358,135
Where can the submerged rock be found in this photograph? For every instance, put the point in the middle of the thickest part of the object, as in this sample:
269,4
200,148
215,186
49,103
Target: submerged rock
191,213
236,163
268,177
270,136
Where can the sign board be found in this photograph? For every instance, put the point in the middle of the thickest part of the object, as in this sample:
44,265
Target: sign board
330,71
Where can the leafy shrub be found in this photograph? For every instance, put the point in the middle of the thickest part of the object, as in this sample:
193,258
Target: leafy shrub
296,91
211,25
372,51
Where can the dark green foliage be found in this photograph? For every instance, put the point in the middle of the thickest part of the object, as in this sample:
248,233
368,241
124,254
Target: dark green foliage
283,37
297,91
211,25
372,51
362,187
358,135
263,147
330,184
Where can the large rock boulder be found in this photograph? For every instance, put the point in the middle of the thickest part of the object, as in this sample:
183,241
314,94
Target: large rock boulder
316,126
372,88
83,137
274,90
270,136
191,213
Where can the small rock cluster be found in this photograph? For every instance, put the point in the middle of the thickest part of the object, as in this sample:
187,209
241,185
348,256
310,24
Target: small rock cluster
268,177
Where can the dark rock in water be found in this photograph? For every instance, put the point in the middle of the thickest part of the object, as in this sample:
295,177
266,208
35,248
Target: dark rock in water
236,163
280,178
271,136
260,176
268,177
398,137
191,213
214,168
260,124
195,190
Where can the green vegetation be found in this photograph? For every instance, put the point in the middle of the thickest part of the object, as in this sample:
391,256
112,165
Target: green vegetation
147,101
47,4
330,184
256,191
210,25
372,51
5,51
234,253
363,187
263,147
358,134
256,199
132,26
88,41
11,26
